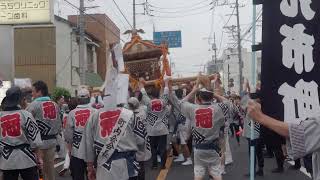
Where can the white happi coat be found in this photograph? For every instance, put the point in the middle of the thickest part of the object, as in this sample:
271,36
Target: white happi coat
75,129
304,139
100,130
19,134
206,120
47,115
157,113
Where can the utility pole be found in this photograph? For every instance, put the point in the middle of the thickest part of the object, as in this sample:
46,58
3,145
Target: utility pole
214,47
239,46
228,77
134,14
82,60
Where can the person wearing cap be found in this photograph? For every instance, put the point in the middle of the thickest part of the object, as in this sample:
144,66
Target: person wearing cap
19,139
139,117
157,121
96,98
207,119
46,113
113,139
74,134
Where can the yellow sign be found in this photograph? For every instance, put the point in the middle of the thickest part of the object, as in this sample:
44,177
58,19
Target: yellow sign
25,11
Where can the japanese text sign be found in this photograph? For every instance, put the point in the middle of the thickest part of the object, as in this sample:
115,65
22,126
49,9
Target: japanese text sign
290,59
25,11
171,38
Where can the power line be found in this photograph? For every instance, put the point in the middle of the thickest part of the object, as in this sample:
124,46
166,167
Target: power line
202,12
122,13
182,11
67,61
222,33
247,32
179,7
124,26
230,17
95,20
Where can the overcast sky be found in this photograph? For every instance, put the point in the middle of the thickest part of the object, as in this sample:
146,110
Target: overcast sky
192,17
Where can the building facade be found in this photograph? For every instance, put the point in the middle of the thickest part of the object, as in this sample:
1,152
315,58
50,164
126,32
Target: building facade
50,52
231,68
67,55
105,31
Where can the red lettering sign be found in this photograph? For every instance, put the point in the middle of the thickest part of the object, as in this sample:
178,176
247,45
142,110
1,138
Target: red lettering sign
82,117
107,121
156,105
49,110
10,125
204,118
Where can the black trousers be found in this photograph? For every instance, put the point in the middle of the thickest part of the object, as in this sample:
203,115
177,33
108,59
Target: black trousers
307,161
278,153
141,172
258,145
232,129
269,150
78,168
158,146
297,163
26,174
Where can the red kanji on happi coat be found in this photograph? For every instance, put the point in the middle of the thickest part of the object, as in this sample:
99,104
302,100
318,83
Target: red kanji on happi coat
107,121
10,125
156,105
81,117
204,118
49,110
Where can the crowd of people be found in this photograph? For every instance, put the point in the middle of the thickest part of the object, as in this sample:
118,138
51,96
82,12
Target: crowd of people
115,143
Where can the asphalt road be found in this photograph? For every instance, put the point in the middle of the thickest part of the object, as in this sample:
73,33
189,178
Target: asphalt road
235,171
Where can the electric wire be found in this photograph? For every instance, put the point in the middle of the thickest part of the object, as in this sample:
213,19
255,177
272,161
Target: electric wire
89,15
179,7
181,11
122,13
179,16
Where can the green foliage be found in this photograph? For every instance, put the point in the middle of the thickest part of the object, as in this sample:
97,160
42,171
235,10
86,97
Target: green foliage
58,92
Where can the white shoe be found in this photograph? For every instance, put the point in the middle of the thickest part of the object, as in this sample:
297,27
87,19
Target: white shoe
180,158
159,159
187,163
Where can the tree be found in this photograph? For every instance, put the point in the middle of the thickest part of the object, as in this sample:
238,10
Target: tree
58,92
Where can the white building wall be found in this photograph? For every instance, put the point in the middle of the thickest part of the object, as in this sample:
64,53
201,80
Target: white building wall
6,53
67,58
230,56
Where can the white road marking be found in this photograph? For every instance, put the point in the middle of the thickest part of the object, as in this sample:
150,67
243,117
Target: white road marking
302,169
58,164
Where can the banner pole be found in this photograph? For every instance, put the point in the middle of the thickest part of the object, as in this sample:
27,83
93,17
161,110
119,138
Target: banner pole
253,82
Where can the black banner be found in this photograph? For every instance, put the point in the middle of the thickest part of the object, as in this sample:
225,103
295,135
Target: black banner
290,59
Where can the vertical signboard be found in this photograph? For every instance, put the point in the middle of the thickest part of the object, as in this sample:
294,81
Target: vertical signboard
290,59
26,11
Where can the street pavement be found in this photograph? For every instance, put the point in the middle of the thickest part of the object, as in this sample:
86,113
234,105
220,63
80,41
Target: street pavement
235,171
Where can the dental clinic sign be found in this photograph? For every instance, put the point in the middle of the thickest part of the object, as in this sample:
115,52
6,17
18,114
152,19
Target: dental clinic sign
26,11
291,59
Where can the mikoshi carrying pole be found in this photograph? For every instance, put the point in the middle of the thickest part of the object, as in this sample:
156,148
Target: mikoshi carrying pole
253,82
